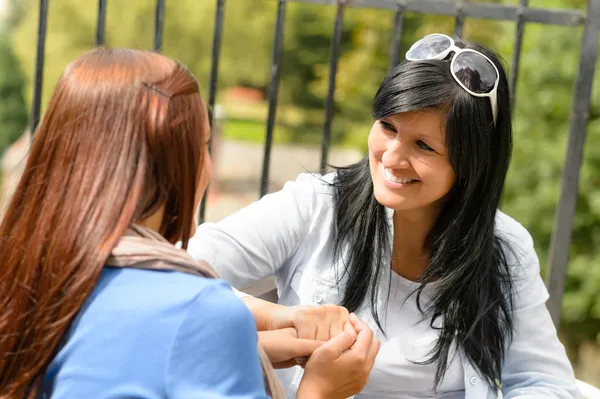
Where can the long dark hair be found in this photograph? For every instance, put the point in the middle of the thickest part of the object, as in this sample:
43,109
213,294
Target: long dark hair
468,260
122,136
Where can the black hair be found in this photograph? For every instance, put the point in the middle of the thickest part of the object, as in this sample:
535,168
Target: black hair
473,294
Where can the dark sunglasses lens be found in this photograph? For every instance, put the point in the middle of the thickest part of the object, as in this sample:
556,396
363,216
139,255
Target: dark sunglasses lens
428,47
475,72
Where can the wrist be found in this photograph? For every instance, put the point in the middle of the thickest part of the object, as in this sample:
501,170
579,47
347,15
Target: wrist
263,311
309,392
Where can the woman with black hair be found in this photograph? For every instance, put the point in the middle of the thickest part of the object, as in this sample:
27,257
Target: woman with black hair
411,240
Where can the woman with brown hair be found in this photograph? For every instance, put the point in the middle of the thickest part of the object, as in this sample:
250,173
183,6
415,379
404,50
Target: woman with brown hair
96,300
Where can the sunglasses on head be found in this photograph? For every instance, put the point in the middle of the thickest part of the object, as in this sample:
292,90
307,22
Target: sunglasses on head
473,71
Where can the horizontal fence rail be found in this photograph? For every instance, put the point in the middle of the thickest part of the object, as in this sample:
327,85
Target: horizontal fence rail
463,9
521,14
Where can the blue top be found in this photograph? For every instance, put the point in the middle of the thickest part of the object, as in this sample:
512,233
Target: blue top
151,334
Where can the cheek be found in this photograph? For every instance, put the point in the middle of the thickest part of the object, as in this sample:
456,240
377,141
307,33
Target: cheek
376,145
437,172
206,172
204,179
444,176
193,228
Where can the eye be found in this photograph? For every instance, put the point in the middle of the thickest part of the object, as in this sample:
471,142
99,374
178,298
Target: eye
422,145
388,127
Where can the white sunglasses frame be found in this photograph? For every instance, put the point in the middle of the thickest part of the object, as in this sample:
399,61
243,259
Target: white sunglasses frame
492,95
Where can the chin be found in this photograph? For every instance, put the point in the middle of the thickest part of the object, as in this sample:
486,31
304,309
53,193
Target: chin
392,200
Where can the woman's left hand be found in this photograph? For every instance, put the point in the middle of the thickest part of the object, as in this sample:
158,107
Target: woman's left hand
285,349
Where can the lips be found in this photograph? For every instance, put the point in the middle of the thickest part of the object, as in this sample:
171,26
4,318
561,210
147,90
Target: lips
397,179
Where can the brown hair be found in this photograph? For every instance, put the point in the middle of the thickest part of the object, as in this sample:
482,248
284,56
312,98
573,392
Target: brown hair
122,137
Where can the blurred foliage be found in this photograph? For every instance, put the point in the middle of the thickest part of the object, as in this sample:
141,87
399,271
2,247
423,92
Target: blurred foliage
13,111
549,65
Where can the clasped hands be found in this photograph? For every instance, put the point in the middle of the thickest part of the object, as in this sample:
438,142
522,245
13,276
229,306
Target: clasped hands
294,333
336,349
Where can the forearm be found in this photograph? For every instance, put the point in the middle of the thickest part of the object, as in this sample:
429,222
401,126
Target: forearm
264,312
309,393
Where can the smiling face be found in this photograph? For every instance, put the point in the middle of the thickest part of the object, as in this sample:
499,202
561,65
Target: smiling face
409,162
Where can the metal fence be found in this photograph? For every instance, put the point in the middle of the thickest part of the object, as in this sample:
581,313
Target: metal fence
461,10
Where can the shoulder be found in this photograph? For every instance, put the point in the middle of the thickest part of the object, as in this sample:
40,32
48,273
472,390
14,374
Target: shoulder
152,294
217,303
177,301
217,314
312,183
518,245
511,230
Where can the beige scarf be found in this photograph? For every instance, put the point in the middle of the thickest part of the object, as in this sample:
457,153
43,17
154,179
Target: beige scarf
142,248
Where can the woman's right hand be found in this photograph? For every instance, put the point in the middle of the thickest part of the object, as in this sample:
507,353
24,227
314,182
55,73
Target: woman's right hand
316,322
340,368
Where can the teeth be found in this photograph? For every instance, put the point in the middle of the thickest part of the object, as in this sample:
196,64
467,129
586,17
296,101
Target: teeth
389,176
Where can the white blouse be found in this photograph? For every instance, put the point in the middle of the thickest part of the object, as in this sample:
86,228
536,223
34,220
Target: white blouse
287,235
408,341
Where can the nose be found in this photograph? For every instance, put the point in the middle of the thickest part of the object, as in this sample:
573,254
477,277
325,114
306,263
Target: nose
396,155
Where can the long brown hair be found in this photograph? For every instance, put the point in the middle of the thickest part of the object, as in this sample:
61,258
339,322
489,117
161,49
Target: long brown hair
121,138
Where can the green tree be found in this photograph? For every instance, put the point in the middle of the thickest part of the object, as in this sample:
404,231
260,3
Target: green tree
13,111
188,35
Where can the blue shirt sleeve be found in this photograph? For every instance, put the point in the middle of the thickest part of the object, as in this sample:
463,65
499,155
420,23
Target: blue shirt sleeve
214,353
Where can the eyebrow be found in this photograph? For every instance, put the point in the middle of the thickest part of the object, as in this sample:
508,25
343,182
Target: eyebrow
421,134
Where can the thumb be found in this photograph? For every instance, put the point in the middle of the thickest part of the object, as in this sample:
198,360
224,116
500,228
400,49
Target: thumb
337,345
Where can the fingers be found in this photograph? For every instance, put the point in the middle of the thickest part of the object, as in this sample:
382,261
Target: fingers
373,351
364,338
356,322
334,348
337,326
303,347
349,328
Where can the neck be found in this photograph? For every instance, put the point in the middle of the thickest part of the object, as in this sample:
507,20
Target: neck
154,221
410,253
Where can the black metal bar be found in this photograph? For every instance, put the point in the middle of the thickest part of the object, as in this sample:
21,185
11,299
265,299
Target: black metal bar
214,77
459,20
476,10
395,47
101,25
580,112
514,69
159,25
333,64
272,95
39,66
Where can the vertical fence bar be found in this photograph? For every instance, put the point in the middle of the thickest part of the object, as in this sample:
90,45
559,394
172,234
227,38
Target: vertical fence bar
214,77
516,57
272,96
39,66
333,64
460,20
101,25
395,47
159,21
565,214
